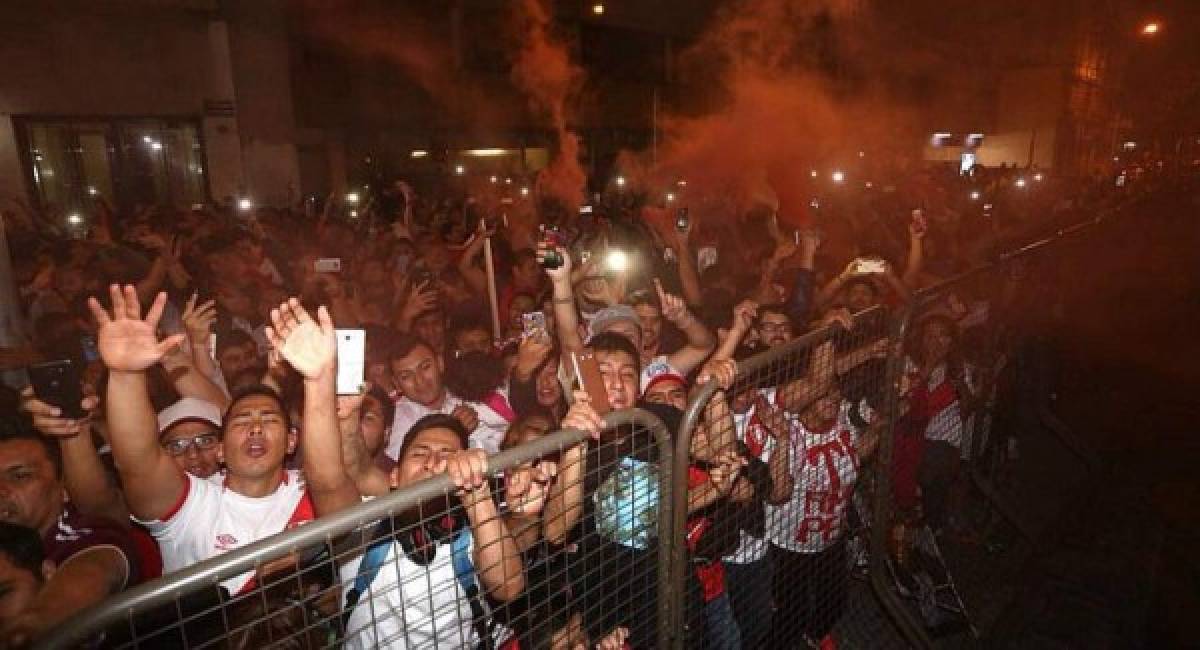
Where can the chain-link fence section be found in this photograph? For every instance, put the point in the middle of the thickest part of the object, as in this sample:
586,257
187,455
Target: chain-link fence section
560,548
784,559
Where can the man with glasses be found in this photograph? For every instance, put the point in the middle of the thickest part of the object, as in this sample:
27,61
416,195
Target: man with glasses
194,518
190,432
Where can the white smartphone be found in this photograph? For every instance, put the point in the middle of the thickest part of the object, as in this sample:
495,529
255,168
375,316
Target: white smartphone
871,265
212,345
328,265
352,360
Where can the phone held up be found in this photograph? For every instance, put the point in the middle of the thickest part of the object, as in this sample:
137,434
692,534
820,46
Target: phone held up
351,360
533,324
58,383
587,372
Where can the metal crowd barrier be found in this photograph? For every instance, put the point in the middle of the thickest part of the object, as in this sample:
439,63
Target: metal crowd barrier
304,608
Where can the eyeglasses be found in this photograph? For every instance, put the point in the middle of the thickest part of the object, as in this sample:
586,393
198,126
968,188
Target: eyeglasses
180,446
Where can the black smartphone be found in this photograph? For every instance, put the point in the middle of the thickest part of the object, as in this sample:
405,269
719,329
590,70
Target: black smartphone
58,383
682,222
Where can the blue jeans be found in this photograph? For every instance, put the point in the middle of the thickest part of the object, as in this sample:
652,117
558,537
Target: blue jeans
720,630
748,586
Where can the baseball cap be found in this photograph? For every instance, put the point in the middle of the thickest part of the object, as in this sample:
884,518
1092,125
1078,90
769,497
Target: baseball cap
189,409
610,315
664,376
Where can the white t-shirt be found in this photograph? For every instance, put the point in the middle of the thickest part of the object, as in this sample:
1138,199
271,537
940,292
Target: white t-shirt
487,434
408,605
824,468
212,519
760,443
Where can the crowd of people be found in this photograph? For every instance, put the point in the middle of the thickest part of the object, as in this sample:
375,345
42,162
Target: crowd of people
206,345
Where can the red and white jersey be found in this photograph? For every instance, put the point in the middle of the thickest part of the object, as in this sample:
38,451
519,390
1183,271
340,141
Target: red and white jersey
211,519
760,444
824,468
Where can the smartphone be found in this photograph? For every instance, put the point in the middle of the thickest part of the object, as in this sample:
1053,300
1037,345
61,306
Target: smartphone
57,383
212,345
587,372
533,323
328,265
871,265
682,222
351,360
585,209
87,343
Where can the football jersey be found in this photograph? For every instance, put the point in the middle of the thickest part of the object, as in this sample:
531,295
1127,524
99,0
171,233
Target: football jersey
824,467
211,519
487,434
759,443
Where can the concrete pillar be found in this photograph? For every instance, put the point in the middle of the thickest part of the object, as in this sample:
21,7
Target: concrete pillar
222,146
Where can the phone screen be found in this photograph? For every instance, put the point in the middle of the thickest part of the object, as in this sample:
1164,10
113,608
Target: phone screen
351,358
533,323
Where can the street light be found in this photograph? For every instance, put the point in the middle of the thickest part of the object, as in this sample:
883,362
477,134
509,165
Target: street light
1020,182
620,181
839,176
75,219
975,195
598,8
670,197
460,170
245,204
1151,28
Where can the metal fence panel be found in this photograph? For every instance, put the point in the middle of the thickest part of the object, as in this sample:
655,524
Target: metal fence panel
421,575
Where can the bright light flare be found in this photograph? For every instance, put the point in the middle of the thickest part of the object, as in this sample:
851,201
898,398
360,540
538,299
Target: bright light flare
352,197
620,181
1151,28
975,196
616,261
418,153
838,176
75,219
245,204
1021,182
524,191
598,8
460,170
1038,177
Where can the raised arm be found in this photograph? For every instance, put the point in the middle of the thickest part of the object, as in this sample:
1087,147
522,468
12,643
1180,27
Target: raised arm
744,314
310,347
497,560
88,484
564,503
916,256
359,466
779,465
566,318
128,346
796,395
689,277
700,341
476,277
197,322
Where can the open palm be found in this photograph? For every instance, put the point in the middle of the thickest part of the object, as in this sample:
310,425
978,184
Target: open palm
308,346
126,341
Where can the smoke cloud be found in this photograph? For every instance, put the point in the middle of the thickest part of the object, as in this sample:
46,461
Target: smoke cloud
543,70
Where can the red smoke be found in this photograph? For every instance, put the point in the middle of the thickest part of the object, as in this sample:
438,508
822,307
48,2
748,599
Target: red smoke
543,70
777,114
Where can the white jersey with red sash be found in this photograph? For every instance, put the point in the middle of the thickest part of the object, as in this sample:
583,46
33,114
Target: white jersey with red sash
824,469
211,519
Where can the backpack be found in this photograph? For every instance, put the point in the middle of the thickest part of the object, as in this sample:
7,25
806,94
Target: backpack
464,572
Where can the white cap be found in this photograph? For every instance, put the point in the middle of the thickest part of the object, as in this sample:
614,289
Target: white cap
189,408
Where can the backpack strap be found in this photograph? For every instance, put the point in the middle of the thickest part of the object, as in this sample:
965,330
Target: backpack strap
372,561
464,570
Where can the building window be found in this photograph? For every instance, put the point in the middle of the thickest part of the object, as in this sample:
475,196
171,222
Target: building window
72,161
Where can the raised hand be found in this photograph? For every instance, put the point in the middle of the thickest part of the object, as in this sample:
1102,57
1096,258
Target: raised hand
532,352
673,307
308,346
563,272
722,371
772,417
198,319
583,416
614,640
127,342
744,315
48,419
423,298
